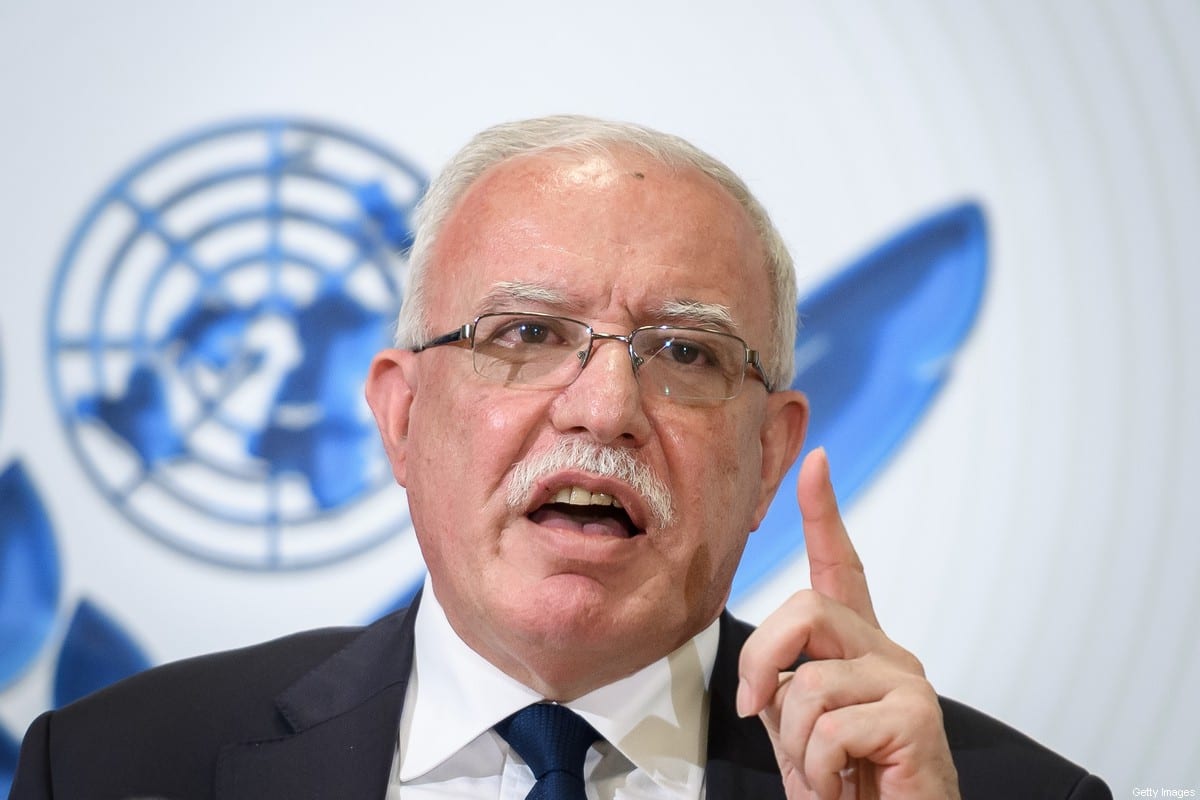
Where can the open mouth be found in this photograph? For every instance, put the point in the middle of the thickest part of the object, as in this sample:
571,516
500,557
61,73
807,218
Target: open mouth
577,509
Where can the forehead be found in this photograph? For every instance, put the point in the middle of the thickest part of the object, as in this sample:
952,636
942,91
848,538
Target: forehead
599,230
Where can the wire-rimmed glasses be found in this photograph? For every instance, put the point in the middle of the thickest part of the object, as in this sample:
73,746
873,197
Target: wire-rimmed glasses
544,350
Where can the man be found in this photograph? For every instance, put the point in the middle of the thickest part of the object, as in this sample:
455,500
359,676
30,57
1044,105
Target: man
589,410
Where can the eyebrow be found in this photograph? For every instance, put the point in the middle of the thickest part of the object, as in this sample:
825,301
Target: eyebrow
694,312
510,294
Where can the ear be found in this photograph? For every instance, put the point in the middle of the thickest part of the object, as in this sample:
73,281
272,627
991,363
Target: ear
781,438
391,386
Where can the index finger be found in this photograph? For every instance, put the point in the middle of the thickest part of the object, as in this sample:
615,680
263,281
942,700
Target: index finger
834,566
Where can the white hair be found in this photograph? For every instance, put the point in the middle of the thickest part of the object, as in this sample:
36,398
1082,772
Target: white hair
598,459
590,136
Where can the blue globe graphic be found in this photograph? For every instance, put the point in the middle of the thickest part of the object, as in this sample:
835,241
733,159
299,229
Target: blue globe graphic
212,319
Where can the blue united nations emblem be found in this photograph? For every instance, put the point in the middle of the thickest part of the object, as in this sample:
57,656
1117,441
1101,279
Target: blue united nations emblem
211,323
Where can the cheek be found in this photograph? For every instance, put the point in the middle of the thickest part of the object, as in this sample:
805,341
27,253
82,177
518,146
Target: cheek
463,443
471,437
715,468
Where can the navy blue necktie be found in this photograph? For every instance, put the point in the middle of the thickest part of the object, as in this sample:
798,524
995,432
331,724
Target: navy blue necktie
553,740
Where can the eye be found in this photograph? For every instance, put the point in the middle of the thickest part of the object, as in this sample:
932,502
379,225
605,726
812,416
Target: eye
532,332
527,332
687,353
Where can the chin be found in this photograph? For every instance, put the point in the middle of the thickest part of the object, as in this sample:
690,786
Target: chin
574,611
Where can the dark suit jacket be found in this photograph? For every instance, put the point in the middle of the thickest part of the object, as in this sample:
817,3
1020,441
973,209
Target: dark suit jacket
315,715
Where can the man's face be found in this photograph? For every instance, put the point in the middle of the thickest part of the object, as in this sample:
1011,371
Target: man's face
563,600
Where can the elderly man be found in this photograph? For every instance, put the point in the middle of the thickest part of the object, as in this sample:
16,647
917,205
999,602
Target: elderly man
589,408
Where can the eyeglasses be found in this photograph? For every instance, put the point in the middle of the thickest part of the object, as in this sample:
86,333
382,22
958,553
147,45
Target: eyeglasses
532,349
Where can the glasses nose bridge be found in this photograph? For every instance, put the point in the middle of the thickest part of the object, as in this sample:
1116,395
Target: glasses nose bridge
624,338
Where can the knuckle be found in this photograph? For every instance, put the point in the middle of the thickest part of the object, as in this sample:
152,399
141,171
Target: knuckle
808,604
800,598
810,678
902,660
919,703
828,728
911,663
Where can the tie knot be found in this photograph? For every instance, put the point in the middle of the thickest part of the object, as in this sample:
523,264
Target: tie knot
550,738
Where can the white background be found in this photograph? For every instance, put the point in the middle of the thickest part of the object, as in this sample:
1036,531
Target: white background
1035,542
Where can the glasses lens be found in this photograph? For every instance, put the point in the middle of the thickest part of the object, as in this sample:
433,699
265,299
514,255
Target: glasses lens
529,349
690,364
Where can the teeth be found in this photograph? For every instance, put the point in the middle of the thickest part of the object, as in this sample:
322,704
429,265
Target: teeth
578,496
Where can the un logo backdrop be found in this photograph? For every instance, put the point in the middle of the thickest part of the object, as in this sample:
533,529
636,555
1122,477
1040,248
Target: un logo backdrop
210,325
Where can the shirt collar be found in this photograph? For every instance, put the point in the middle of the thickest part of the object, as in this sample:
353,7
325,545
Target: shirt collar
657,717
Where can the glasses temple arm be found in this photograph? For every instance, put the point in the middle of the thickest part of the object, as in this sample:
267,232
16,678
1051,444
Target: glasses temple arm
460,337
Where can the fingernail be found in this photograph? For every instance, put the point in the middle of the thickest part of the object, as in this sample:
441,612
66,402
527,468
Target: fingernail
743,699
824,458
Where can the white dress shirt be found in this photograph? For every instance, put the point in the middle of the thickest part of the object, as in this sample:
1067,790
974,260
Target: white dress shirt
654,723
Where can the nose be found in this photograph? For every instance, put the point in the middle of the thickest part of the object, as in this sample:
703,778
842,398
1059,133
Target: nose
604,400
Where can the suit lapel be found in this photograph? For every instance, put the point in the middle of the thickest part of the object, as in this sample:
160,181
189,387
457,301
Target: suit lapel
344,717
741,761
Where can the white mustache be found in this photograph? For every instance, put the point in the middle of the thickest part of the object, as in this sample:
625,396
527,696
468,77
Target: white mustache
605,462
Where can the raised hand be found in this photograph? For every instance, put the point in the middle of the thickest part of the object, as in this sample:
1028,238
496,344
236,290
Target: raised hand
857,718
